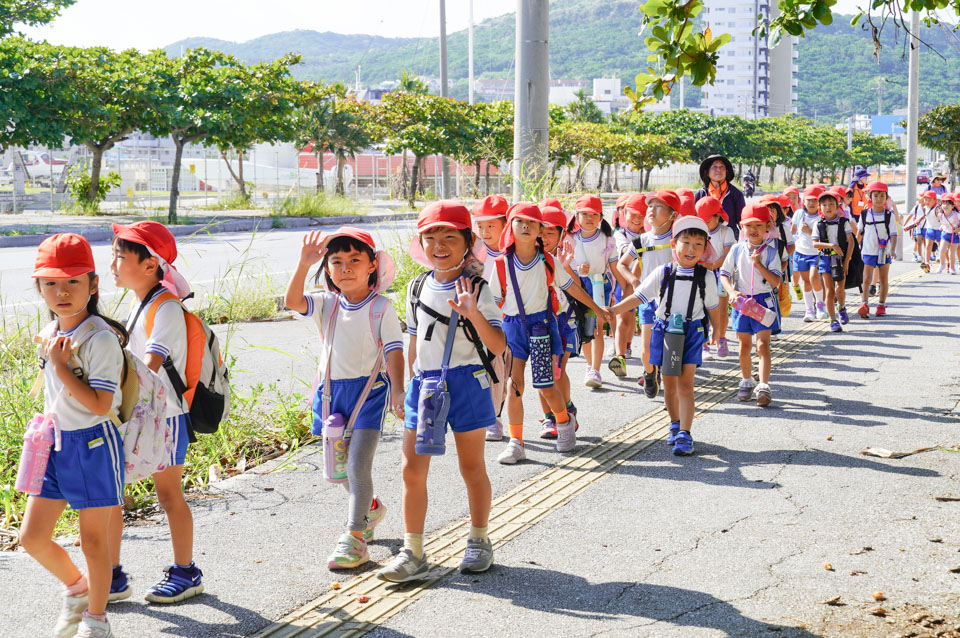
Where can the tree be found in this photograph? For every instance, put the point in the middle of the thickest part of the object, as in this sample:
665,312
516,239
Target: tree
30,95
492,139
647,152
939,129
583,109
30,12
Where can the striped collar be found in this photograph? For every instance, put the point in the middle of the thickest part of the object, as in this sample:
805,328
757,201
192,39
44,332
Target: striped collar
522,266
346,305
491,252
72,331
629,234
666,235
592,237
433,284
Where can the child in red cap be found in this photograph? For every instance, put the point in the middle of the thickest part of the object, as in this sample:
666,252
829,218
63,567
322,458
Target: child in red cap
917,223
359,329
752,269
86,468
878,228
833,237
949,233
629,226
721,239
143,256
805,256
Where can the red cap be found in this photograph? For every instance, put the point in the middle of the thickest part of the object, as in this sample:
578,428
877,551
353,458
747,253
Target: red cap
813,192
667,197
622,200
553,216
688,206
876,186
683,192
520,210
62,256
791,189
490,207
929,195
636,203
589,204
551,201
833,194
154,235
445,212
709,206
386,269
755,213
785,202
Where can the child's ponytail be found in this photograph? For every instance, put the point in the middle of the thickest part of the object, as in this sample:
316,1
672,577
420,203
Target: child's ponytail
605,227
572,224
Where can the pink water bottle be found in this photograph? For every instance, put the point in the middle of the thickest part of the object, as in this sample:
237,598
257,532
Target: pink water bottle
42,434
749,307
335,449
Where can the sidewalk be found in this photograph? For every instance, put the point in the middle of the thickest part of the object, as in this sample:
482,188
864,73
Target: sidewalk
730,541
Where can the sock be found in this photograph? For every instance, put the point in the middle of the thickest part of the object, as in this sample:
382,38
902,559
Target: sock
78,588
548,416
478,532
100,617
818,295
674,426
570,406
188,568
516,432
808,300
561,417
413,542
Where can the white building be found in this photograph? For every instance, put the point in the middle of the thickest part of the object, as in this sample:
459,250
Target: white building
752,80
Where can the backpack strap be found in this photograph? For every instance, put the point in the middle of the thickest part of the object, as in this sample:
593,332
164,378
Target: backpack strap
502,277
699,286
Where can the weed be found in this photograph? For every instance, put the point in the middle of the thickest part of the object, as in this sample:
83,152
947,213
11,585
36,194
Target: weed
236,201
407,269
315,205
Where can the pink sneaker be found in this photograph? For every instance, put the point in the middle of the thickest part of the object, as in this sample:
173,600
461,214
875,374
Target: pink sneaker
722,348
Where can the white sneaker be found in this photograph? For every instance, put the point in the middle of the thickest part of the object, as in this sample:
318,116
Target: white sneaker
93,628
567,434
592,379
512,453
707,354
745,391
941,268
71,612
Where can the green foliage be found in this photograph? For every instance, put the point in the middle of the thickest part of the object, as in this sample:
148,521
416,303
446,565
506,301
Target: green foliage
407,269
30,12
315,205
79,184
940,129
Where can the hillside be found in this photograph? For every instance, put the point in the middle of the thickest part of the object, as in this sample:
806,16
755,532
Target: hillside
598,38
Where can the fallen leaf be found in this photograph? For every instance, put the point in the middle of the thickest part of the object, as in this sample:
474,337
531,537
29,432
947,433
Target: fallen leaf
257,560
334,585
830,601
829,438
936,540
887,454
827,566
878,611
955,570
362,599
857,572
862,550
878,596
947,499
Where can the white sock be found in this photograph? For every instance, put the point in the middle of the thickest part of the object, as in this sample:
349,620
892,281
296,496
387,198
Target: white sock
818,295
808,300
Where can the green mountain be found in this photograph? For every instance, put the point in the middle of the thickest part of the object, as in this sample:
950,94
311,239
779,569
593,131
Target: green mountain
599,38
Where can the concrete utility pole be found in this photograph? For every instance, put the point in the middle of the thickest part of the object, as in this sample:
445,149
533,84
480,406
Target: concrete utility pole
470,57
849,132
445,186
913,110
532,93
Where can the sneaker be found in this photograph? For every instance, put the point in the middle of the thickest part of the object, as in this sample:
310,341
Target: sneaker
683,444
548,428
798,292
405,568
916,258
374,516
707,353
629,354
746,389
941,268
567,435
494,432
350,552
618,365
881,310
723,349
952,271
925,267
93,628
178,584
835,326
809,316
873,287
864,311
763,395
674,428
822,311
512,453
592,379
71,613
478,556
119,586
844,317
650,385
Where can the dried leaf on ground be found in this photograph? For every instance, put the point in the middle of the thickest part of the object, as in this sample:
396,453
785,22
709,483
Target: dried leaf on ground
888,454
830,601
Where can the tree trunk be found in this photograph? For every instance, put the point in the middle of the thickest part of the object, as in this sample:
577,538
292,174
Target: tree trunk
415,174
421,182
600,177
843,176
175,180
238,178
341,160
616,178
95,167
486,190
320,186
476,179
404,184
243,184
773,170
646,179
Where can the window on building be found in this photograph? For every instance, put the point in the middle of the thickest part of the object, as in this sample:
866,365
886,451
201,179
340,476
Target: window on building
733,9
731,24
729,96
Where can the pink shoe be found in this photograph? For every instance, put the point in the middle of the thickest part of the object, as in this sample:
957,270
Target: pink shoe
722,348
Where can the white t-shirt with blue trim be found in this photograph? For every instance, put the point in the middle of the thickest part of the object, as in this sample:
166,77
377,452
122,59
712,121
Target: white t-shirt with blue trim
532,279
738,266
597,250
653,259
649,290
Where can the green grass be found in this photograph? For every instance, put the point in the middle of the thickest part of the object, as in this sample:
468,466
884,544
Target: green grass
30,230
407,270
315,205
236,201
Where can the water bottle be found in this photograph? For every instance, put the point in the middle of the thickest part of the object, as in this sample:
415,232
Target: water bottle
541,356
432,409
42,433
749,307
597,282
335,449
673,339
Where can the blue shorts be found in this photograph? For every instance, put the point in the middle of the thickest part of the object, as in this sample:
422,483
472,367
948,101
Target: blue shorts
344,396
871,260
803,263
932,234
949,238
471,405
617,294
569,334
743,323
88,470
180,426
918,232
648,313
825,264
518,340
692,343
587,284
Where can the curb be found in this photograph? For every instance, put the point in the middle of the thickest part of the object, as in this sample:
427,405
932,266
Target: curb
229,226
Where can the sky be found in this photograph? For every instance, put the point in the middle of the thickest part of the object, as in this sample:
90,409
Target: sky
122,24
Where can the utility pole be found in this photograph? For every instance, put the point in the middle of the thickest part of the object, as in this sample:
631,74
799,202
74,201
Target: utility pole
445,187
470,56
532,94
849,132
913,110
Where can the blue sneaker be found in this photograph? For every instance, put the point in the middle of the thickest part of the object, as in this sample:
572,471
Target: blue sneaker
674,429
683,444
119,586
179,583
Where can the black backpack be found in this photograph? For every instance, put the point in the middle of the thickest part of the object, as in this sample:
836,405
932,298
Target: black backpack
670,276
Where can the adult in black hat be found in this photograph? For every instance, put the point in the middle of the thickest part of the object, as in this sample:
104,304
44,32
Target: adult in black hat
936,184
717,172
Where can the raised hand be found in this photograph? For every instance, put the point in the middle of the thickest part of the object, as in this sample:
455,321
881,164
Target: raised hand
310,252
465,301
565,254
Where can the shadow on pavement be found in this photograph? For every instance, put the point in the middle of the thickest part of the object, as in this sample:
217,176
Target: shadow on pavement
180,623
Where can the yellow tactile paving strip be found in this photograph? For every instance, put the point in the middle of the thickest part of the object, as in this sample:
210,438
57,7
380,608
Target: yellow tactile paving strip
339,614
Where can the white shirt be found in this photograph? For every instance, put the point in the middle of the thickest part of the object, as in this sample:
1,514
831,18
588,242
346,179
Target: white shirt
430,352
168,339
532,279
598,250
101,359
787,226
932,218
490,264
649,290
873,232
833,227
354,350
721,237
652,259
738,266
803,241
622,237
949,222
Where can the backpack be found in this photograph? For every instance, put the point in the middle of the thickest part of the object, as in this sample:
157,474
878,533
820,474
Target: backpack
875,223
148,441
206,389
468,329
548,264
699,279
